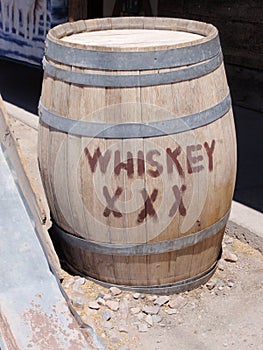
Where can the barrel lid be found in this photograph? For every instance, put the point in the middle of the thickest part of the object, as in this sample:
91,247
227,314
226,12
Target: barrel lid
177,32
131,38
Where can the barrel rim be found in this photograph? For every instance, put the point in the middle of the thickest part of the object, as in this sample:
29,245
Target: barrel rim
208,30
130,59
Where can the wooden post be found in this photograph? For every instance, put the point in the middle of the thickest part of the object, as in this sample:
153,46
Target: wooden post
147,8
78,9
145,4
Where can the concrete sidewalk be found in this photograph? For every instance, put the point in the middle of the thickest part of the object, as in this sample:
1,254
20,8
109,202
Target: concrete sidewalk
34,310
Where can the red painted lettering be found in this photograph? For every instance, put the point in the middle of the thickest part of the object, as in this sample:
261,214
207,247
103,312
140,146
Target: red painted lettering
209,151
118,165
140,163
178,193
110,208
148,205
97,156
191,160
172,160
154,163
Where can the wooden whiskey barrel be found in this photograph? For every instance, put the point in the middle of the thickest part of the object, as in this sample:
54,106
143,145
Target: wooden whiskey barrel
137,149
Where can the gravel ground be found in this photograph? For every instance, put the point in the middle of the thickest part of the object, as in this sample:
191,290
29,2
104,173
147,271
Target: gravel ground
227,313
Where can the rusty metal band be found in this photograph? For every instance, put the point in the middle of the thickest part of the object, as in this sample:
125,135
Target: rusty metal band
132,60
163,289
142,249
139,80
135,130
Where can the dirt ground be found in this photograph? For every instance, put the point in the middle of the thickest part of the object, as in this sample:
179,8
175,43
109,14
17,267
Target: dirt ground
227,313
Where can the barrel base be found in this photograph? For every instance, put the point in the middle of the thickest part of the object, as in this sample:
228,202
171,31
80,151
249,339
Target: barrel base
165,289
65,250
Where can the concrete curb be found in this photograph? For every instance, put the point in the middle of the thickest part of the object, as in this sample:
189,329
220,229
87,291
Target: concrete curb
246,224
25,117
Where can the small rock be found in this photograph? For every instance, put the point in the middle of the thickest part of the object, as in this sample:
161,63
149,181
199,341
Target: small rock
136,296
193,306
77,301
149,320
171,311
177,302
221,265
94,305
112,305
140,316
230,283
123,328
115,291
107,297
67,283
78,284
229,256
142,296
142,327
151,310
211,284
100,295
80,281
135,310
107,315
162,300
220,284
151,297
220,292
101,301
157,318
162,324
228,240
124,308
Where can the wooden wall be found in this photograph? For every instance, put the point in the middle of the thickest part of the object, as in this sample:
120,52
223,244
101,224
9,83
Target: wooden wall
240,25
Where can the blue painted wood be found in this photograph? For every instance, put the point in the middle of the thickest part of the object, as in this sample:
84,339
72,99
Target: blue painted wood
24,25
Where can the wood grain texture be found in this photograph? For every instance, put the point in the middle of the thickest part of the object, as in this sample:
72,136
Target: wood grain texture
239,23
78,9
140,190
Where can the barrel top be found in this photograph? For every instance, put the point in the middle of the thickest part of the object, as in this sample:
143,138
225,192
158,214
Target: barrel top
132,33
132,43
131,38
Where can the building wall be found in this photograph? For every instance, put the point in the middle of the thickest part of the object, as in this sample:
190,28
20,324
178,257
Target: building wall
240,25
108,6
